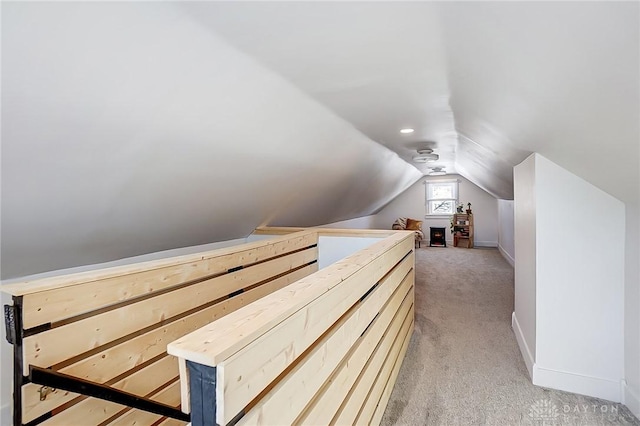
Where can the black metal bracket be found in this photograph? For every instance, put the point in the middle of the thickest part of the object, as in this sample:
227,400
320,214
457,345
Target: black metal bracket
13,321
10,323
54,379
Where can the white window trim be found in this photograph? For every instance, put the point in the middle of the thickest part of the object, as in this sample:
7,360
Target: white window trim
428,215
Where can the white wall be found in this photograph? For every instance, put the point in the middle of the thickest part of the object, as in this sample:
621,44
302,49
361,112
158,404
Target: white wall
524,315
506,239
150,132
580,237
332,249
411,203
576,233
485,213
632,310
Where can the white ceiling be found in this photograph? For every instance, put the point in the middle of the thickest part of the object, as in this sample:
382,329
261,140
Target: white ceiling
379,65
132,127
484,83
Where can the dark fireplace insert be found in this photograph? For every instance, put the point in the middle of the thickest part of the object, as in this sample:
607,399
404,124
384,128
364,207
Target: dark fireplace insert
437,237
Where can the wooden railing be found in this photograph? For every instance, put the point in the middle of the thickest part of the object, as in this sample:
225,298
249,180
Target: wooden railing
324,350
90,348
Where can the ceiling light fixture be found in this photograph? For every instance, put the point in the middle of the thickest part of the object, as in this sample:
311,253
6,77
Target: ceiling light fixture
429,158
406,131
437,171
425,156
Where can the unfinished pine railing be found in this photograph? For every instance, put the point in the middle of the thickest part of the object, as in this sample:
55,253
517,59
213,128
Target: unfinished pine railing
90,348
324,350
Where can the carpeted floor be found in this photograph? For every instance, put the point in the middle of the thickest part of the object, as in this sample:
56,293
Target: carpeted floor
463,365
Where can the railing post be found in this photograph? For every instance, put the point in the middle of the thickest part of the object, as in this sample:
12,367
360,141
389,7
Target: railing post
202,390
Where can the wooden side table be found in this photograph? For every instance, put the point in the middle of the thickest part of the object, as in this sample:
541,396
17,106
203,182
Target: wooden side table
463,230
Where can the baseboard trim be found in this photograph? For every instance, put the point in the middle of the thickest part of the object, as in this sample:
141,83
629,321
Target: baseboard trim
522,343
507,256
631,400
577,383
475,243
485,243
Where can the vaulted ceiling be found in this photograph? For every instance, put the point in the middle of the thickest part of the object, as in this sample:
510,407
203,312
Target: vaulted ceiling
135,127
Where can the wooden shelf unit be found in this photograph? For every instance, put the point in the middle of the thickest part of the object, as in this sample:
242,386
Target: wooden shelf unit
463,230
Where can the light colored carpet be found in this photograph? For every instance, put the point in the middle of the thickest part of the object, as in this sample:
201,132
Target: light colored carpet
463,365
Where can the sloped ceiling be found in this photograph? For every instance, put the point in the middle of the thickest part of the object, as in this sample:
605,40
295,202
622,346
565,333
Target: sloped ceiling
129,128
558,78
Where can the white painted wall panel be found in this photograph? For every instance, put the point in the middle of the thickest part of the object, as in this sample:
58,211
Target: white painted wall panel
506,239
525,268
632,309
332,249
580,280
569,246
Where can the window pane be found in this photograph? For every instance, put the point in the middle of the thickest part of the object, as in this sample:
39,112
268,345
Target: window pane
443,190
441,207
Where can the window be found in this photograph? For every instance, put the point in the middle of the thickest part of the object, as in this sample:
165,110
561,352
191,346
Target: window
441,197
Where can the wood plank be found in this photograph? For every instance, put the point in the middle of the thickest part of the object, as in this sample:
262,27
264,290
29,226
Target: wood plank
118,359
379,337
350,408
32,407
293,392
185,386
170,396
382,380
173,422
366,233
384,400
44,349
214,343
115,361
346,232
245,374
142,382
277,230
53,299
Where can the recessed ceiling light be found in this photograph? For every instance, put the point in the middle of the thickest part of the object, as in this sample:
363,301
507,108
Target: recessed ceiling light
407,130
